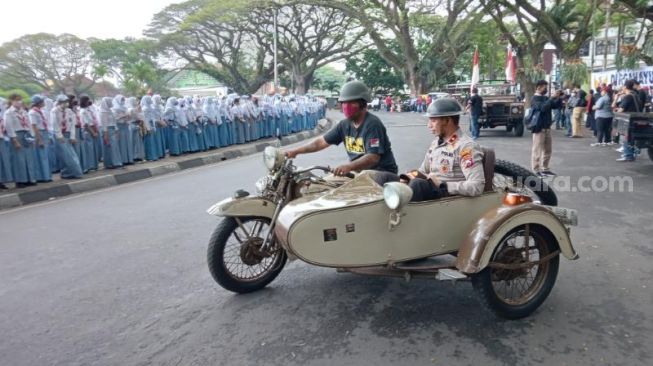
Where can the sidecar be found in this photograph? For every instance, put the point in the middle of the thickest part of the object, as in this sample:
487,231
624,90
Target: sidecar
504,242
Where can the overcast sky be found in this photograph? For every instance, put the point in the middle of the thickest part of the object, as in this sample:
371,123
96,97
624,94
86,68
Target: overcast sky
83,18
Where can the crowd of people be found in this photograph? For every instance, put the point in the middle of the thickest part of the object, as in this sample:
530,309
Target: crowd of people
72,136
577,110
597,110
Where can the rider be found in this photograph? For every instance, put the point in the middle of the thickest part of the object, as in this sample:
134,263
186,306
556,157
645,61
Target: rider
453,163
363,134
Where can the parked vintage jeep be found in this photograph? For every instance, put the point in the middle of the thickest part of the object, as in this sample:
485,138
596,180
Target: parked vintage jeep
501,108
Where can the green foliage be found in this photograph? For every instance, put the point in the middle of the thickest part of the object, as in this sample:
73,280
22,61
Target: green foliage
25,95
575,72
133,62
370,68
53,62
329,79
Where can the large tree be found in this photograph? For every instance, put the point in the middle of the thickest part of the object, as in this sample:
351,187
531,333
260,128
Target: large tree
436,31
56,64
210,36
567,24
309,37
233,41
640,11
369,67
133,62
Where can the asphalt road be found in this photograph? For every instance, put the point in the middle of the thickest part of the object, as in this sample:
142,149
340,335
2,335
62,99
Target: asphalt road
119,277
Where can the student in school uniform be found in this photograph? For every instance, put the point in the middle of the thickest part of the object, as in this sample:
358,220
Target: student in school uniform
89,123
149,120
73,105
170,115
227,124
64,130
6,175
21,142
161,126
41,132
135,128
52,149
125,137
110,135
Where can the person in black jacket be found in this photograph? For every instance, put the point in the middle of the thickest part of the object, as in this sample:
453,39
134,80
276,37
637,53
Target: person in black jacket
541,152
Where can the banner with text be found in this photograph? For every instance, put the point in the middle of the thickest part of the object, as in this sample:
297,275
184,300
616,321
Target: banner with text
617,78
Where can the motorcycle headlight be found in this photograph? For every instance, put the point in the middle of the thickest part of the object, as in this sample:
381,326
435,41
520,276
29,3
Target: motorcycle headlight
272,158
515,110
396,195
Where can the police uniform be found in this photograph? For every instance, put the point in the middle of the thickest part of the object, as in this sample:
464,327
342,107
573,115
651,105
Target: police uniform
457,164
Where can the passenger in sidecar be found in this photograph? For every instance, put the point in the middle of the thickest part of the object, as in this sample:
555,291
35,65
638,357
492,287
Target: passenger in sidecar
453,165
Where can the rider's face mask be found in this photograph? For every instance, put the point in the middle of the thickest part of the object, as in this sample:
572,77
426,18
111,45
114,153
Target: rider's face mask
350,109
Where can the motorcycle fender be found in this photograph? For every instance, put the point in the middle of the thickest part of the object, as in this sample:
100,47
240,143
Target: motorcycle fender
476,250
246,206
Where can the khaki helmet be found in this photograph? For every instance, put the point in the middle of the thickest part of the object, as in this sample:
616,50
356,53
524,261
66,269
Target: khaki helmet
444,107
354,90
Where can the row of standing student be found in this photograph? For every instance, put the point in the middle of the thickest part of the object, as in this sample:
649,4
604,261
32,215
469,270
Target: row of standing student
72,138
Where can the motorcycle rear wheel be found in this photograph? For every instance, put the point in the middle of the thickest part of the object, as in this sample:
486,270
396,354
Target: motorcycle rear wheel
235,259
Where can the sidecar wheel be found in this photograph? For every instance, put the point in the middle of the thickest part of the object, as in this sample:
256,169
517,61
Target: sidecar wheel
234,258
516,293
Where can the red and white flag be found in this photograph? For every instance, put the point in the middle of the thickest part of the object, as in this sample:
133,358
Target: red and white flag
475,69
510,66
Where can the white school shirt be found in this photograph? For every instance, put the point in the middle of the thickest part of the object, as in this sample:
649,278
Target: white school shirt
15,121
63,121
38,119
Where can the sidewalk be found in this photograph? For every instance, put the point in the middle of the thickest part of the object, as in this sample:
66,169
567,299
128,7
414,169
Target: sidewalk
104,178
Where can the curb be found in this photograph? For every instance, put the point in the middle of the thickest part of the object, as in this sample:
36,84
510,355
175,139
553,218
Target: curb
67,188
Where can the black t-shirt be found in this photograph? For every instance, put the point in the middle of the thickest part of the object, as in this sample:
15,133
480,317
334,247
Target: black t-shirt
476,105
369,138
629,103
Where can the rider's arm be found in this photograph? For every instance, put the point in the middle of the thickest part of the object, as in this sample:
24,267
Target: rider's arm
471,163
314,146
366,161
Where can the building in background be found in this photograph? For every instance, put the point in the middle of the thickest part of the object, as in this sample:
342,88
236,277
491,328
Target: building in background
601,53
191,82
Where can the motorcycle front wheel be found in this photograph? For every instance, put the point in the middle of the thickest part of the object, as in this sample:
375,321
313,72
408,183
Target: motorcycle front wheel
236,258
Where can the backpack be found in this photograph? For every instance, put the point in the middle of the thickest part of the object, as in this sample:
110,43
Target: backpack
533,120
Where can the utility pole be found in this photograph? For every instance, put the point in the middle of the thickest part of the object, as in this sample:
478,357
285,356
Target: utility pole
276,77
605,35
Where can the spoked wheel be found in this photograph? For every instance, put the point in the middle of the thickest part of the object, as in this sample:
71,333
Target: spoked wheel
236,258
518,179
521,272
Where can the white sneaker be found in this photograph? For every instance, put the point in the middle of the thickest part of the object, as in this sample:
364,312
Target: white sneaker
595,144
611,143
620,150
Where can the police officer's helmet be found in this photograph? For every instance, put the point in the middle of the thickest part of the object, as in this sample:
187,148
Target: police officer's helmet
444,107
354,90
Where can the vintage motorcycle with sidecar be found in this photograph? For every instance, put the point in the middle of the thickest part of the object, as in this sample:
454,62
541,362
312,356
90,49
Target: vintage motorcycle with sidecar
507,241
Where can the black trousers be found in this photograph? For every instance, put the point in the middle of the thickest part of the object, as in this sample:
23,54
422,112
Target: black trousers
604,129
425,190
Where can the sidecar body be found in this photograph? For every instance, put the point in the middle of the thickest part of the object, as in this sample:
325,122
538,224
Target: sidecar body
352,227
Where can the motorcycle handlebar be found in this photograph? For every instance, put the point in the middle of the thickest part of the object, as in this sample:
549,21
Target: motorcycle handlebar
325,169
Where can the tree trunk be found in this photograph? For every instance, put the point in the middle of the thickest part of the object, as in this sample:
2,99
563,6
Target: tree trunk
303,82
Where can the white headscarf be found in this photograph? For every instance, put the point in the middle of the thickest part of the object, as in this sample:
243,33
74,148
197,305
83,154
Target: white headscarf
105,105
118,104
